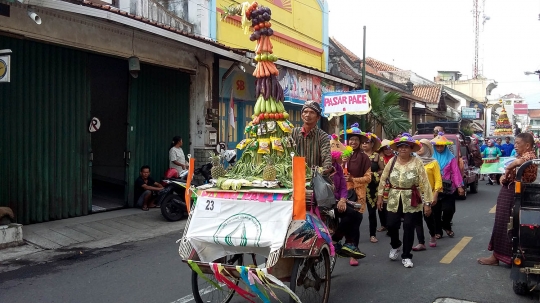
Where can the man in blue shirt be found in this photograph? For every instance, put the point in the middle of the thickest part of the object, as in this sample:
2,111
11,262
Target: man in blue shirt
507,147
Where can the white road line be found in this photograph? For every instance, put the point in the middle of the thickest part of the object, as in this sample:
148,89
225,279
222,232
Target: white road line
190,298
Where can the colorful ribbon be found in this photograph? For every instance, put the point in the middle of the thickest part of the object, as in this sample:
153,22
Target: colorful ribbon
199,272
217,269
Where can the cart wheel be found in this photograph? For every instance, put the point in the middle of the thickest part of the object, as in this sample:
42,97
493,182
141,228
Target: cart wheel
520,288
204,292
310,279
333,261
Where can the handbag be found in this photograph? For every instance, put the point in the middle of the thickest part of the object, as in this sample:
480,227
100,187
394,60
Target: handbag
387,184
351,195
323,190
415,196
447,187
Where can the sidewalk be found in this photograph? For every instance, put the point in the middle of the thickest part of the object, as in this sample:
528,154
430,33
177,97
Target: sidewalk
45,241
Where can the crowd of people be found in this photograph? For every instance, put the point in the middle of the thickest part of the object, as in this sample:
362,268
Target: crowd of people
409,182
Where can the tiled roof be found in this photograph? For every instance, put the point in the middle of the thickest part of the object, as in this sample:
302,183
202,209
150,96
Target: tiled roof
354,58
344,68
430,93
345,50
534,113
381,66
116,10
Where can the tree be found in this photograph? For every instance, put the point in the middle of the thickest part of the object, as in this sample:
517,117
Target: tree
386,112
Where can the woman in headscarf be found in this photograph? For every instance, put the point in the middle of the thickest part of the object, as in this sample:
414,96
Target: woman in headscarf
491,151
501,243
359,169
350,219
370,148
445,208
408,183
433,172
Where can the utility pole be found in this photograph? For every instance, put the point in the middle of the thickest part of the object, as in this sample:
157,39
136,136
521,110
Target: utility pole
476,15
363,119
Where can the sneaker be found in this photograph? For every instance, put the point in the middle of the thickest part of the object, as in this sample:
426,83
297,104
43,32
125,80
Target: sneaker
352,251
338,250
394,253
407,263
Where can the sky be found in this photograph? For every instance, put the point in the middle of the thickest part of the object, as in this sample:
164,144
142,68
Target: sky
430,35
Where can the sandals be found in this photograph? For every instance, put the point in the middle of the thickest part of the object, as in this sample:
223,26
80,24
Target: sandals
145,208
419,247
353,262
487,261
450,233
381,229
438,236
372,239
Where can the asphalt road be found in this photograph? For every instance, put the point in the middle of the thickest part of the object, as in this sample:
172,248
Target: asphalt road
151,270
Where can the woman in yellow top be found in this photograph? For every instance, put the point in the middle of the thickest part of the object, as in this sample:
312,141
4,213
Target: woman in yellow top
433,172
408,184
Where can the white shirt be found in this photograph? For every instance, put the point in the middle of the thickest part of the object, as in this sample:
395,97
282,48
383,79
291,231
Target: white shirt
177,154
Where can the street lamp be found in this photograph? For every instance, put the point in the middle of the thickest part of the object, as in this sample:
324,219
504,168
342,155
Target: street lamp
533,73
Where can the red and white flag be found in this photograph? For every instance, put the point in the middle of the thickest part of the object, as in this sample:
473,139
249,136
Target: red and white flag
232,120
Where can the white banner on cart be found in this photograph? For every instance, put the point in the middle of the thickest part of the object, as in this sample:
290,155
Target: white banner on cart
221,227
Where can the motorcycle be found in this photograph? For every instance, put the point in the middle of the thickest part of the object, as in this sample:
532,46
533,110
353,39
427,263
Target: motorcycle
171,199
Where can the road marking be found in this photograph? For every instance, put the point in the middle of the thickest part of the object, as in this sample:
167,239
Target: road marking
456,250
204,291
493,209
450,300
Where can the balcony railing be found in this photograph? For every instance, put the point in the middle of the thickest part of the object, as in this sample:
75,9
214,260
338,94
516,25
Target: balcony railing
154,11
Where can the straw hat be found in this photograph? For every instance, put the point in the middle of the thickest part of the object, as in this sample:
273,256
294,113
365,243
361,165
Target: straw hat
406,138
355,131
373,138
427,145
441,140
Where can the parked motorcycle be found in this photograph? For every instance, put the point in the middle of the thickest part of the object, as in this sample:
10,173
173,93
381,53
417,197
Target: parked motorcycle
172,198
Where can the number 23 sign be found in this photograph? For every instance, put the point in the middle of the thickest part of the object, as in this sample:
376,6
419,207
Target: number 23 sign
209,204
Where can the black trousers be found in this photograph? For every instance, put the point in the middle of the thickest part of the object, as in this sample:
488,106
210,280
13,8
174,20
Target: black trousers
383,214
349,226
410,221
372,213
443,213
420,229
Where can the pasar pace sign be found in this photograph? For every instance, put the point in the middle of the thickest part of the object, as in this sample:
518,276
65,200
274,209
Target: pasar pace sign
352,103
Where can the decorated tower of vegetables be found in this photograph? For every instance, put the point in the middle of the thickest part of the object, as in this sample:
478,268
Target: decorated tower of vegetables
268,144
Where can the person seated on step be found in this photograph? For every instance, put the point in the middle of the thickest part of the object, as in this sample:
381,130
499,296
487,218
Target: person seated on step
146,189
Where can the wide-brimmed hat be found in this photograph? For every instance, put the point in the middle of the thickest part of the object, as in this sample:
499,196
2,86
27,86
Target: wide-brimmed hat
441,140
427,144
373,138
405,139
385,143
355,131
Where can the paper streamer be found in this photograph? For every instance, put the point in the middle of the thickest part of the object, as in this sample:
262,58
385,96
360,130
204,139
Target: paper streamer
199,272
217,269
299,188
284,287
243,273
191,171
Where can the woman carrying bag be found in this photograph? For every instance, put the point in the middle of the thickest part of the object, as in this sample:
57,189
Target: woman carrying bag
406,182
444,210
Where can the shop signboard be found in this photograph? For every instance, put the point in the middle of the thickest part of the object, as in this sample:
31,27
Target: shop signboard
469,113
